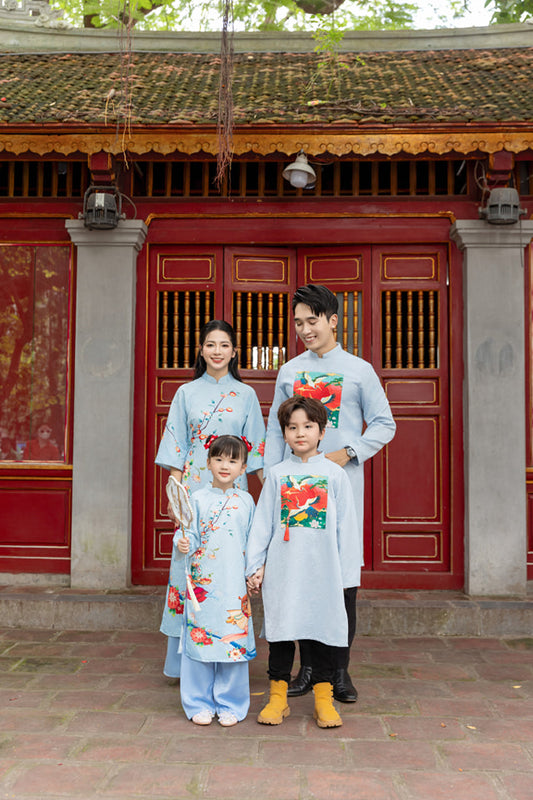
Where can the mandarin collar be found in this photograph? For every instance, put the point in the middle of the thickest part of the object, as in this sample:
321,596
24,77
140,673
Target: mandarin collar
330,354
227,378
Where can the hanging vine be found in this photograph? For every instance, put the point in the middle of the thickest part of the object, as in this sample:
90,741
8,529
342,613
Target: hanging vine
225,97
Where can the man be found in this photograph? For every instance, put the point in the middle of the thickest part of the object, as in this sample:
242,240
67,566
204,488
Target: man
352,394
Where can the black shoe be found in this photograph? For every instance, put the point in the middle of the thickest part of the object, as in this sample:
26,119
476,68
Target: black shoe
302,682
343,689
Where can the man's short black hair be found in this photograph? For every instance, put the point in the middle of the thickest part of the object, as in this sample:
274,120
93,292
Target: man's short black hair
320,299
313,408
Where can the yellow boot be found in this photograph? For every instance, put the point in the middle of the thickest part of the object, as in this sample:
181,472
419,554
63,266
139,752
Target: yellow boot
325,712
276,708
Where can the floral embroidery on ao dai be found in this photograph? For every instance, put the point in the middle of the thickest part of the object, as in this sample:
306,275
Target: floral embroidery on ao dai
201,408
221,630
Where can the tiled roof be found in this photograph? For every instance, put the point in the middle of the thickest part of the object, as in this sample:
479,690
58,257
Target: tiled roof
383,88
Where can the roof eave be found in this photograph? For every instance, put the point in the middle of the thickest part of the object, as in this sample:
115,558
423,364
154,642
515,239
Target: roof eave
262,140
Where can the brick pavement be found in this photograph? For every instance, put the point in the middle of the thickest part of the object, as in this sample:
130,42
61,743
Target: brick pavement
88,715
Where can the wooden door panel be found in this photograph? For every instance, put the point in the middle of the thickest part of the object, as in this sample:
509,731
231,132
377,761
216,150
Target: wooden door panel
178,290
412,472
412,476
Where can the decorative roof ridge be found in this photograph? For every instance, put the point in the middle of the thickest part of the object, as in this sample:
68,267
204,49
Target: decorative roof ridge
26,39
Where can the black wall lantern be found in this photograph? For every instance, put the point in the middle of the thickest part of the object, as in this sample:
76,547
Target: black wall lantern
102,208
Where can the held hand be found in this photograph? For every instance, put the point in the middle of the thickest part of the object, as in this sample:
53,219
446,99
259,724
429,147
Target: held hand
255,581
183,544
339,457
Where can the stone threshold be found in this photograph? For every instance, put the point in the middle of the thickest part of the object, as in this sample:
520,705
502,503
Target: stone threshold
379,612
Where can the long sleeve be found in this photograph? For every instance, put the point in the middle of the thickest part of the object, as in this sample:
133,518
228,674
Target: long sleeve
254,431
350,550
377,414
262,527
174,444
275,443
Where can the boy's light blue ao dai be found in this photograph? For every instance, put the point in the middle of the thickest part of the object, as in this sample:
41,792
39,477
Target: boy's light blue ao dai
303,532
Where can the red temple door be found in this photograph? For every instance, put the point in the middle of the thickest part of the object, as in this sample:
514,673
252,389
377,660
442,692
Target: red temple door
394,311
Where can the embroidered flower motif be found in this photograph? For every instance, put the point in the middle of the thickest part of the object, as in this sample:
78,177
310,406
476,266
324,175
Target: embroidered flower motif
261,448
237,653
174,601
200,636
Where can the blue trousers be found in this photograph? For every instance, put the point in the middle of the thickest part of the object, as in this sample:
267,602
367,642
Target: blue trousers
172,666
215,686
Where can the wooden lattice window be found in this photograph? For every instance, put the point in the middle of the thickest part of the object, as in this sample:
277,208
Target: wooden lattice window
350,319
182,315
409,322
261,325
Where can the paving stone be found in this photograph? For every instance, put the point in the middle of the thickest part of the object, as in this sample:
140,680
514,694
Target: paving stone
329,785
119,748
486,756
36,747
150,700
106,721
392,755
355,726
28,720
425,728
313,753
504,730
85,698
155,782
518,784
465,709
448,786
267,783
55,780
23,698
51,665
441,672
213,746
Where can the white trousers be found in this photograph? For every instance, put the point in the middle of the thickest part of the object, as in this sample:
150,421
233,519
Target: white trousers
215,686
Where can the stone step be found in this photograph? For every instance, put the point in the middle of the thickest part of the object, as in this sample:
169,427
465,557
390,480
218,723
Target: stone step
379,613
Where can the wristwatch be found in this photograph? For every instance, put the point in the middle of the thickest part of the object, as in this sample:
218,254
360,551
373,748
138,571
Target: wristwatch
350,452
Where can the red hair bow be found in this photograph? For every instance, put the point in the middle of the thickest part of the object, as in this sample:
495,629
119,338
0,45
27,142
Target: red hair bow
247,443
209,441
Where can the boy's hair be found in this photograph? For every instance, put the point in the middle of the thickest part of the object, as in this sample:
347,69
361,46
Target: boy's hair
320,299
313,408
230,446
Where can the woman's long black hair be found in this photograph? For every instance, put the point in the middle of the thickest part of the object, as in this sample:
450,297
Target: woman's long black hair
217,325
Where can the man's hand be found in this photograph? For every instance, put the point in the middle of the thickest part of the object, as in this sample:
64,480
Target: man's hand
339,457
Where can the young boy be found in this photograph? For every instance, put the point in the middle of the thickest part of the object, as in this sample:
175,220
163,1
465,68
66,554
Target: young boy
302,551
350,390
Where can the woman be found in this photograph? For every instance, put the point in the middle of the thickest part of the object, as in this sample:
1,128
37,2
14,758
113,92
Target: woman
215,402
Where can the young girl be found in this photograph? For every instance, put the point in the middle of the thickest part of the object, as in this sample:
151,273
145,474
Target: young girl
302,550
218,639
217,401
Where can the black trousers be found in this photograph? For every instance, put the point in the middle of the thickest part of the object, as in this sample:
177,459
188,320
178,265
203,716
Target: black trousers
323,660
342,653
